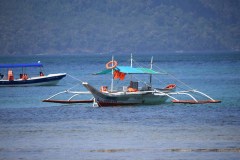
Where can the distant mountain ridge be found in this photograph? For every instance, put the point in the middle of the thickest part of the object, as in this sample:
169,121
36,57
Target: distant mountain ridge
105,26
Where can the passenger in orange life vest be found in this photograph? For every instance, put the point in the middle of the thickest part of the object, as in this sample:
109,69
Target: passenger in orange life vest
131,89
10,75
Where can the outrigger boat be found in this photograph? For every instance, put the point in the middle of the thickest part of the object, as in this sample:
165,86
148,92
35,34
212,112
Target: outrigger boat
132,94
24,79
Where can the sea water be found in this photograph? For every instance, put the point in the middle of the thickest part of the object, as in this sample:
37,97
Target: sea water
31,129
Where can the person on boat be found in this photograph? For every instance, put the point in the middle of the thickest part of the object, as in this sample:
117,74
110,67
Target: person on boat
104,89
10,75
130,89
25,76
133,87
41,74
1,76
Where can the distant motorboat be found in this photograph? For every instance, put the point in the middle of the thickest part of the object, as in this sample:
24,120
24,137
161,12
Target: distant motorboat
9,80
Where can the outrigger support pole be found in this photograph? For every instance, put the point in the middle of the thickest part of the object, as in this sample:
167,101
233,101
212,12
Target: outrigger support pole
162,93
204,94
189,96
194,101
56,94
73,96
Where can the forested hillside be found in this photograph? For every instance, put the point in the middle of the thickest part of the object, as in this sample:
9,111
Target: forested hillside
106,26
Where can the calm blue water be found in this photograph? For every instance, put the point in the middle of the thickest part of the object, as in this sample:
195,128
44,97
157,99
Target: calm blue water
31,129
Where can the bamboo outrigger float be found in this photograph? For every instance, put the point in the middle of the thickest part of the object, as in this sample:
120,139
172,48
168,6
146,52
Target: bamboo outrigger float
132,94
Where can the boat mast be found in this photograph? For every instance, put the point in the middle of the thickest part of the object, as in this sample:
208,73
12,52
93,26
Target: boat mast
131,60
112,75
151,66
151,63
131,65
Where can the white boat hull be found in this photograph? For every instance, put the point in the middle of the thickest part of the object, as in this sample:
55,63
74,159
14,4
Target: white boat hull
51,79
125,98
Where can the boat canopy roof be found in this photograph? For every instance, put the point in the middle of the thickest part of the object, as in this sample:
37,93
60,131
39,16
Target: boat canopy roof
21,65
129,70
